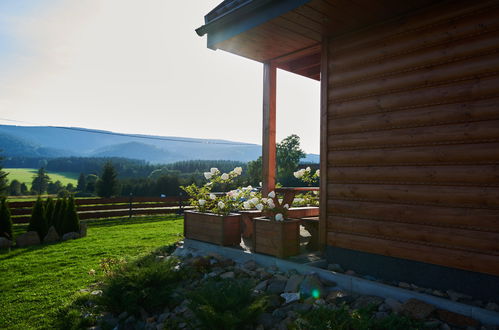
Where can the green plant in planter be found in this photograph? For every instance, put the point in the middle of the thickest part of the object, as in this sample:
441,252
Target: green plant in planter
226,304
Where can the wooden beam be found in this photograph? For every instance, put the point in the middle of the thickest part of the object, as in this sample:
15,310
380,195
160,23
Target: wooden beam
269,126
324,148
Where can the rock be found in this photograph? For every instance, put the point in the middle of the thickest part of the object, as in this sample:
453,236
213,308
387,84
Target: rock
492,307
284,325
5,243
367,301
250,265
96,293
262,285
276,286
335,268
301,307
227,275
404,285
350,272
52,236
273,301
311,286
71,235
110,320
279,314
438,293
455,296
83,229
293,284
151,319
445,326
123,316
395,305
338,297
290,297
163,317
456,319
417,309
320,302
27,239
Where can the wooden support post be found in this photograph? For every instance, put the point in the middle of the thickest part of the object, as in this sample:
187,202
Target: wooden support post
324,148
269,125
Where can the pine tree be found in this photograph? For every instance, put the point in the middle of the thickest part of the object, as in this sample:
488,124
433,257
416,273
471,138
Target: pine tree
5,220
107,185
58,215
49,212
38,222
82,183
71,221
40,182
3,180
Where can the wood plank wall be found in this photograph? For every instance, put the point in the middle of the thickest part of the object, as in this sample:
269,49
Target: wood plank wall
413,137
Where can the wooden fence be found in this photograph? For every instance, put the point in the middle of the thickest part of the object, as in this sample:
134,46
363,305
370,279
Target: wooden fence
96,208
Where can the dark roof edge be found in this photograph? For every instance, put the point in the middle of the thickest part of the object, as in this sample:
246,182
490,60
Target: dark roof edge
245,17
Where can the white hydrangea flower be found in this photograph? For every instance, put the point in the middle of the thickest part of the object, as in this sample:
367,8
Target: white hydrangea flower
270,203
247,205
318,173
201,202
208,175
252,193
238,170
286,206
214,170
221,205
308,169
279,217
272,194
260,184
259,206
225,176
299,174
213,196
265,200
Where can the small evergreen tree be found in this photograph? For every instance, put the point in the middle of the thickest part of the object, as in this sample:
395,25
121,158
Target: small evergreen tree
40,182
71,221
82,183
15,188
49,212
5,220
3,180
38,222
107,185
24,189
58,215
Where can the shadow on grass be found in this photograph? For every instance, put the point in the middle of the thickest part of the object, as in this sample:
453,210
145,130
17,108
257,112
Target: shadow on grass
130,221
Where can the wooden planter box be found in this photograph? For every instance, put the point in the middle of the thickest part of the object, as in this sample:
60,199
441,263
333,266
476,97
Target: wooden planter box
277,238
213,228
247,222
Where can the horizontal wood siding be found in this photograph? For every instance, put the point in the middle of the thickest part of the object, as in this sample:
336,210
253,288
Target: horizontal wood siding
413,137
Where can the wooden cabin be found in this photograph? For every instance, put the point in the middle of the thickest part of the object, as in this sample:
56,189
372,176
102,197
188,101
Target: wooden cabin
409,127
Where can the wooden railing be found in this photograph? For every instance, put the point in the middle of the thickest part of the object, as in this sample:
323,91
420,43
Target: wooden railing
97,208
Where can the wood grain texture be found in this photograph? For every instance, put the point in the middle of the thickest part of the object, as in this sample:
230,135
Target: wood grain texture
269,127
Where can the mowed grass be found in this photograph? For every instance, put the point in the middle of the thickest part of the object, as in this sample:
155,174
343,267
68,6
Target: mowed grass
37,281
25,175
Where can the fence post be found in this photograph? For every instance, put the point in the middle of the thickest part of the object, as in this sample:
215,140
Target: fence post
130,207
180,204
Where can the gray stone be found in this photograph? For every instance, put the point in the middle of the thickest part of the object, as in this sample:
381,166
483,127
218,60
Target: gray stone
293,284
228,275
299,307
367,301
339,296
276,286
404,285
250,265
27,239
52,236
279,314
274,301
96,293
5,243
110,320
395,305
417,309
71,235
335,268
123,316
445,326
311,286
83,229
262,285
455,296
438,293
163,317
290,297
492,307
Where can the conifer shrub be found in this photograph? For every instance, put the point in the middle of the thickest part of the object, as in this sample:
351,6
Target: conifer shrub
58,215
71,222
38,222
226,304
5,220
49,212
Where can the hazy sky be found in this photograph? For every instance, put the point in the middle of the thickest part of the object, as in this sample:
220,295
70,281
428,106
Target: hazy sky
137,66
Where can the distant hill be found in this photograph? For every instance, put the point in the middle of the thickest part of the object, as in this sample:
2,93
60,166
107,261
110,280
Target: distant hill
50,142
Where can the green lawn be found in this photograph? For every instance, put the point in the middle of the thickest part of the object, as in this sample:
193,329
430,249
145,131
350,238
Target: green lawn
37,281
25,175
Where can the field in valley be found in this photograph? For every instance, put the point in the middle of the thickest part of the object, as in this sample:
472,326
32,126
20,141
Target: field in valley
25,175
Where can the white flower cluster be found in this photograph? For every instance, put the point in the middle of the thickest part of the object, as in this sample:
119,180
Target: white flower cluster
214,172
